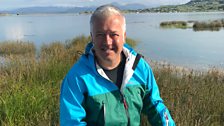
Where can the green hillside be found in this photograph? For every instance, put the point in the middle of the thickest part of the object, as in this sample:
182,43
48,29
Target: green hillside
192,6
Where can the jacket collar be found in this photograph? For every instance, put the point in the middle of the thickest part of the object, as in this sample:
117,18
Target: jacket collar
128,71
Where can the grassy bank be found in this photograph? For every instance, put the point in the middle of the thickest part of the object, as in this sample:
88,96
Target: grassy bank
194,98
17,48
30,87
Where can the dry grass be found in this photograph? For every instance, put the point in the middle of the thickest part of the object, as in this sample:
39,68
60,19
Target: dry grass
17,47
194,98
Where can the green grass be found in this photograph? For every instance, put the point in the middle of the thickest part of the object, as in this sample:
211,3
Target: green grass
30,87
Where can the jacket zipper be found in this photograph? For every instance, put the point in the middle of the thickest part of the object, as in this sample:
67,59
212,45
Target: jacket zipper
126,107
104,113
167,119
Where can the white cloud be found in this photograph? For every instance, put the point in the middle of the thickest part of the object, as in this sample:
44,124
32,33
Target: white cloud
87,0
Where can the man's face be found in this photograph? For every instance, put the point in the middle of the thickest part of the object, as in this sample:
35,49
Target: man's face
108,37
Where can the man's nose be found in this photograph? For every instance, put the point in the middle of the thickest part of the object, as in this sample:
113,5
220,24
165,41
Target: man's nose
108,39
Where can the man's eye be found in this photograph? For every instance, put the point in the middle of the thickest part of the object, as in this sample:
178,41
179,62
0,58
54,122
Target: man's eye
99,35
114,35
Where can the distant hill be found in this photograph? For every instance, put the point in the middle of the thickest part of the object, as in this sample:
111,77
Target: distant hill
207,5
133,6
34,10
192,6
57,9
205,2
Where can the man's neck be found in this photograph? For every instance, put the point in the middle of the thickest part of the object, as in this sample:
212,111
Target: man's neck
109,65
116,74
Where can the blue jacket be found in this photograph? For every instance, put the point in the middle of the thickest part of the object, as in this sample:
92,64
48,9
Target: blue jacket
89,97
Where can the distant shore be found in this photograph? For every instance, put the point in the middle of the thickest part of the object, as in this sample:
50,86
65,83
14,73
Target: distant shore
124,11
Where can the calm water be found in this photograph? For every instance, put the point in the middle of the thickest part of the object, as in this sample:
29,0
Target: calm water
177,46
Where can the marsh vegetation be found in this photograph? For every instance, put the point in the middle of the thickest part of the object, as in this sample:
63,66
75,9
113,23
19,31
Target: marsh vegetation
214,25
30,86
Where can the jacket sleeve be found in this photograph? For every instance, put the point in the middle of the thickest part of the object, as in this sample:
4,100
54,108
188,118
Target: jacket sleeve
71,111
154,108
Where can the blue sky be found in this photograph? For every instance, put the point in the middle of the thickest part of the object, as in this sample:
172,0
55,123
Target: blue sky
11,4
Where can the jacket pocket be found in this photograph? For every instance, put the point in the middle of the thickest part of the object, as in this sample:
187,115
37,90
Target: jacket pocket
95,111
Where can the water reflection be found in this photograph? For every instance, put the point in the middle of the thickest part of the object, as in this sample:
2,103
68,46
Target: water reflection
14,32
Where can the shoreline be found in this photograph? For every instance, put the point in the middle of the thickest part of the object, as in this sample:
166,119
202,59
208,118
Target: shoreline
186,68
84,13
154,64
9,49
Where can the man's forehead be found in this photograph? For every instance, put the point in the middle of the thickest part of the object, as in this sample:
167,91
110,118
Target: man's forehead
106,31
106,18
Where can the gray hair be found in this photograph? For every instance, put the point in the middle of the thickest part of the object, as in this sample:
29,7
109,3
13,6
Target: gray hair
106,11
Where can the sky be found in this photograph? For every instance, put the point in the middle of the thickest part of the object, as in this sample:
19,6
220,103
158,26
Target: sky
12,4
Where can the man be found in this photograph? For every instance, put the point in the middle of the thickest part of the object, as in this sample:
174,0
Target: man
110,84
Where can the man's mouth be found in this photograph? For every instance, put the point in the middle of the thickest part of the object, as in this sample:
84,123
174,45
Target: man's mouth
107,49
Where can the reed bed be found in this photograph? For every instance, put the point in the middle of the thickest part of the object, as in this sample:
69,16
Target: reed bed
174,24
214,25
30,88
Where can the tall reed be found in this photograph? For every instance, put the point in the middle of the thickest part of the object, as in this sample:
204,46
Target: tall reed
17,47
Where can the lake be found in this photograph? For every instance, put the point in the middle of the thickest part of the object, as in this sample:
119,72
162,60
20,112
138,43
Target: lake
183,47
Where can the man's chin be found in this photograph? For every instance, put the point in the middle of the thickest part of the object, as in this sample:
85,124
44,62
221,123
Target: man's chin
109,58
109,52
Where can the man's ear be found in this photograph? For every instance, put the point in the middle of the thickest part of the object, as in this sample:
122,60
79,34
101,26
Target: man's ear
91,35
124,37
